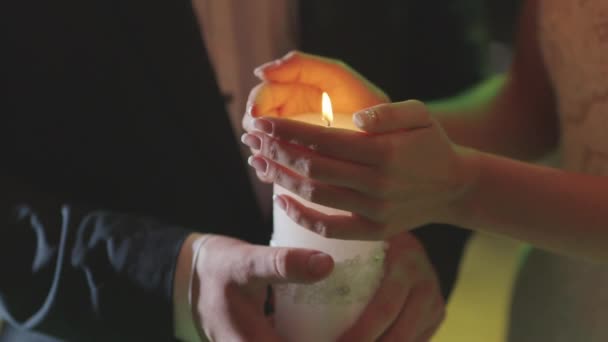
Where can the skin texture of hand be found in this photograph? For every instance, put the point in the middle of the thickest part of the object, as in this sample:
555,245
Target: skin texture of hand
294,84
401,172
408,306
230,278
230,282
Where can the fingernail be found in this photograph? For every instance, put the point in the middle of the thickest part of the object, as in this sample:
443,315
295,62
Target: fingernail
365,118
259,71
258,163
252,141
279,201
250,110
319,264
263,125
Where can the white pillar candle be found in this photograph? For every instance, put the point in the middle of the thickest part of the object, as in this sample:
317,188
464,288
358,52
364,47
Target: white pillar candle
321,312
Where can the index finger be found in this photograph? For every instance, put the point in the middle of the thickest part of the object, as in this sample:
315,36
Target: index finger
344,144
283,99
320,72
300,67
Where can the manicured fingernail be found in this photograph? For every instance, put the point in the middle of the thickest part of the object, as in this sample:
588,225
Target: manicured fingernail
258,163
263,125
279,201
365,118
319,264
250,109
259,71
252,141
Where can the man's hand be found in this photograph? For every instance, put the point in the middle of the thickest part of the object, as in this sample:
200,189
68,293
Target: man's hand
230,279
229,286
408,305
294,84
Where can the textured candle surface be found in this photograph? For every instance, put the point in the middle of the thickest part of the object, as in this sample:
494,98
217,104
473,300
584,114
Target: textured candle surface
322,311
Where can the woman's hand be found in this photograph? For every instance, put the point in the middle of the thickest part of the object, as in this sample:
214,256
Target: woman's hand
400,173
294,84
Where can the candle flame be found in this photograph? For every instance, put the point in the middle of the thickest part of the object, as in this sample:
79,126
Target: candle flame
328,113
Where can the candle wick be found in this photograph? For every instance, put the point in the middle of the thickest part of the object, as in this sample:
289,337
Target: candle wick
327,122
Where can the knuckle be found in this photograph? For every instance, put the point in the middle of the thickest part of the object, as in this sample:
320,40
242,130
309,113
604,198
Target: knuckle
417,106
272,149
277,175
279,261
244,269
322,229
303,220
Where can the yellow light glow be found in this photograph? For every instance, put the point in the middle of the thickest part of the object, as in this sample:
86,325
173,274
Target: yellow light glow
328,113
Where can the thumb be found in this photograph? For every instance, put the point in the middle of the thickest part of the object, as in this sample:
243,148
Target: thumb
294,265
406,115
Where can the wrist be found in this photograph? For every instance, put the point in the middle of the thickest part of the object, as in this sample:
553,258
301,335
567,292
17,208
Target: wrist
185,326
459,210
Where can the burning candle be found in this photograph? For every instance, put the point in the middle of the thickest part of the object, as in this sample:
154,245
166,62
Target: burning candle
322,311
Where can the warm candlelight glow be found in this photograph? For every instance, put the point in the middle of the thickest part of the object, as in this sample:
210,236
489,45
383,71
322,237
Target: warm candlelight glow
328,113
324,310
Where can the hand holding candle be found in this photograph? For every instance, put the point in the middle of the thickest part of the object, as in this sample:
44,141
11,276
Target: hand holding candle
397,171
294,85
299,157
324,311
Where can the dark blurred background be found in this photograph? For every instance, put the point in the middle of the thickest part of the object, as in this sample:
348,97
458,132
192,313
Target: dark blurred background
426,49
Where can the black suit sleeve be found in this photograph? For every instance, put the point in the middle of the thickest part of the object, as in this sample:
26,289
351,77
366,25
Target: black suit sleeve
81,274
445,245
